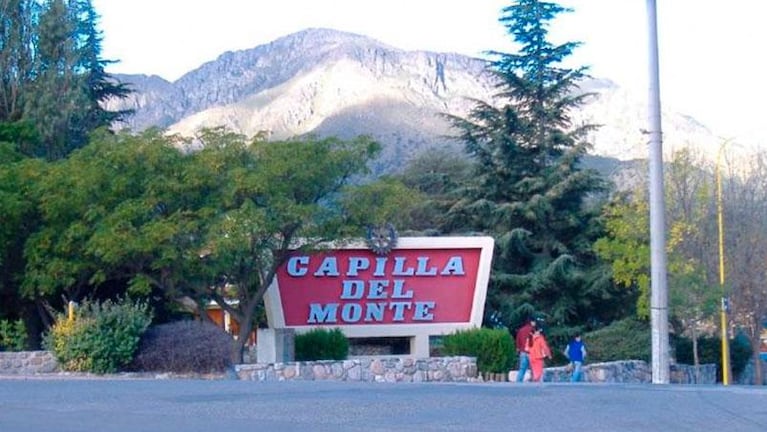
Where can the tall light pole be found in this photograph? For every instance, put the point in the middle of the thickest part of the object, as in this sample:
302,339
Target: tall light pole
659,287
725,302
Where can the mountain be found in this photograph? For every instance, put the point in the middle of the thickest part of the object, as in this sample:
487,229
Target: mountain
327,82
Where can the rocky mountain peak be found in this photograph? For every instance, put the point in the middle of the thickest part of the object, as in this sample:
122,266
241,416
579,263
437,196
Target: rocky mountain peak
328,82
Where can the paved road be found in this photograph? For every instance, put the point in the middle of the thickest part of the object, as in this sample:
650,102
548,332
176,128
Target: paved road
133,405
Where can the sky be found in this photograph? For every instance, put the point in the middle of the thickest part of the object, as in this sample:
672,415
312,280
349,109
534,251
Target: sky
711,53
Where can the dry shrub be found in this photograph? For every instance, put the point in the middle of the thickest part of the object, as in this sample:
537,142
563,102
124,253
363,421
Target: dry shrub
184,347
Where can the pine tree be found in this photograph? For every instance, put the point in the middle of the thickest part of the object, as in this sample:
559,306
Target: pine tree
57,91
100,87
53,78
531,192
16,33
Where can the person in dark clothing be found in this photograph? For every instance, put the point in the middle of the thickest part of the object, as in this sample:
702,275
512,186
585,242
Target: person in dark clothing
523,337
576,353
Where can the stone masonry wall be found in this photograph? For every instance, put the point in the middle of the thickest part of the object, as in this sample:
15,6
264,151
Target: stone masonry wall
27,363
630,371
387,369
457,369
397,369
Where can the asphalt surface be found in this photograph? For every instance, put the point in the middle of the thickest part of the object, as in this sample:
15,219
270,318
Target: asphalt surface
99,404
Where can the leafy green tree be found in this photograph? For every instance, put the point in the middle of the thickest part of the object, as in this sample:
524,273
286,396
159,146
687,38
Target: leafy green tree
439,177
626,246
98,189
20,218
744,198
280,195
531,192
207,225
692,292
386,200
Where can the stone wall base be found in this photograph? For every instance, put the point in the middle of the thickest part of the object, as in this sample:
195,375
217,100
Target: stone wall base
386,369
399,369
27,363
630,371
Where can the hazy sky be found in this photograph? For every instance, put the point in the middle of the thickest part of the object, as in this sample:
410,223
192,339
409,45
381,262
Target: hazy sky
712,52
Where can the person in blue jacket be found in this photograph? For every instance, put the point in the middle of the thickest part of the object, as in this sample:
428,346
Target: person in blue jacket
576,353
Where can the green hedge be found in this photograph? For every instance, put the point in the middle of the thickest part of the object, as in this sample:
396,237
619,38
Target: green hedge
101,338
627,339
13,335
321,344
493,348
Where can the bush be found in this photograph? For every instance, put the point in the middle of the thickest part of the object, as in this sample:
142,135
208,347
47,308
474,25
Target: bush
710,351
184,347
13,335
740,353
493,348
321,344
102,337
627,339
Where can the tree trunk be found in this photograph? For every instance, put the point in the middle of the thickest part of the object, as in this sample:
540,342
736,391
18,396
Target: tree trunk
237,347
246,327
695,357
43,311
758,377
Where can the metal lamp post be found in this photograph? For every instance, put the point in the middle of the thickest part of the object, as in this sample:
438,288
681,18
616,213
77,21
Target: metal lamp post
659,287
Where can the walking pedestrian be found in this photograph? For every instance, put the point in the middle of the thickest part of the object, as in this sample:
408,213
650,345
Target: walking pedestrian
576,353
539,352
523,337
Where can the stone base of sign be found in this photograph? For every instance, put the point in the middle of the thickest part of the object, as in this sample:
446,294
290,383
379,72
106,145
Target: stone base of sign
275,345
386,369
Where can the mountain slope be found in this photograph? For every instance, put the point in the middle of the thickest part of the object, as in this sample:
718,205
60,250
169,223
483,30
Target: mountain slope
326,82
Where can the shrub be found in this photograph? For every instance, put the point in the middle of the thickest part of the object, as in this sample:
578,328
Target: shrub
13,335
627,339
102,337
740,353
321,344
710,351
184,347
493,348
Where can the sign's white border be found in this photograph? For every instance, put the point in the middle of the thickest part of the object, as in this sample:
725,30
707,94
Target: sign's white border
276,317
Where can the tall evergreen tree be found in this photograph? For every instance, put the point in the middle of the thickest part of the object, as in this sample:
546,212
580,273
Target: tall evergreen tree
57,91
17,37
531,192
16,33
100,87
53,79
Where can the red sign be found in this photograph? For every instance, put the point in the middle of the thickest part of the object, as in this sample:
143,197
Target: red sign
357,287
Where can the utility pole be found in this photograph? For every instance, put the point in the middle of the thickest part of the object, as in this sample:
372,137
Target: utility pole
659,287
726,372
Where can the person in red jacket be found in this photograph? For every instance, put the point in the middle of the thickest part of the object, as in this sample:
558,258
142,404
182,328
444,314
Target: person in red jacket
523,337
539,352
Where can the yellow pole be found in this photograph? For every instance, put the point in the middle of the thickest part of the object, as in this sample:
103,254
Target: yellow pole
71,310
724,305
